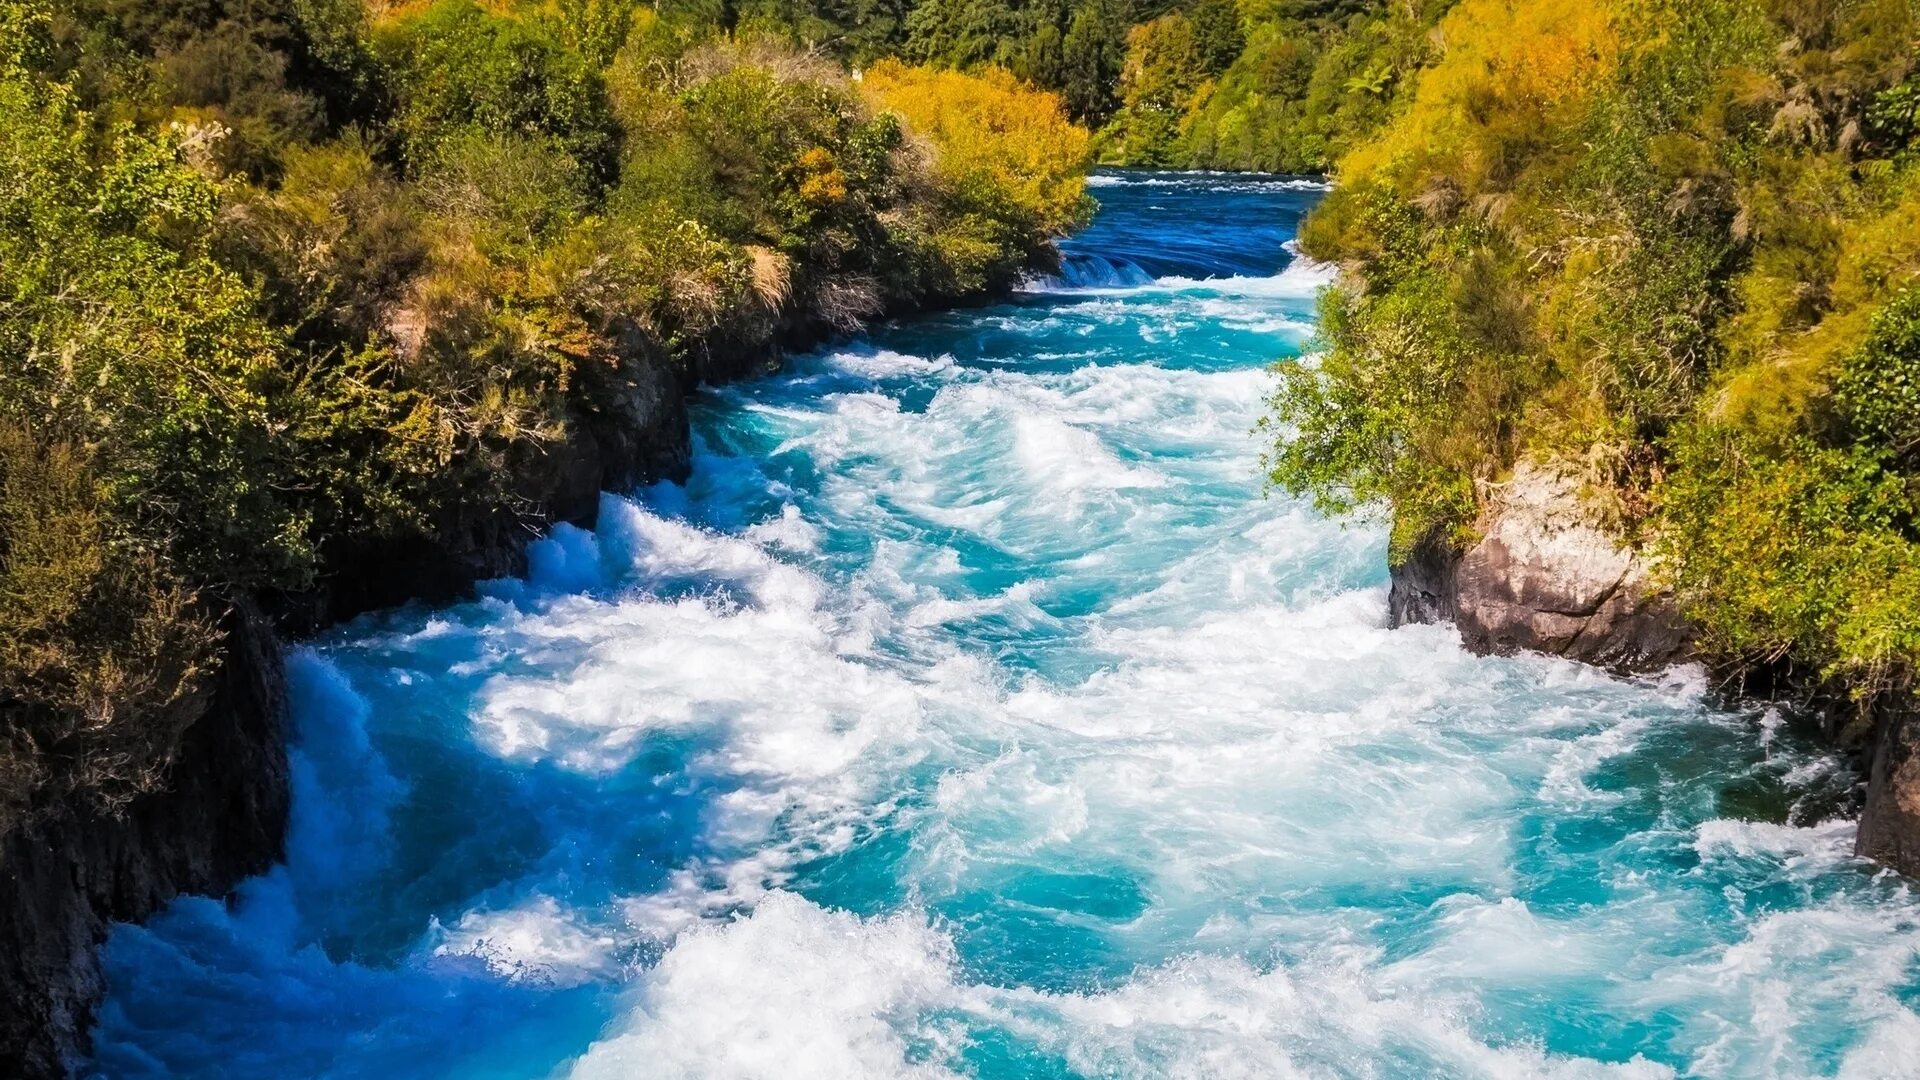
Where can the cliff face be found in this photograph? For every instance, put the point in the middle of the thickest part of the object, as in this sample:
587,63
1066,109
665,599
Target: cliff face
65,877
1548,576
1890,820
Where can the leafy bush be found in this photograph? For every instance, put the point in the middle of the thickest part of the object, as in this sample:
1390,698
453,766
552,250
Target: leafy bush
457,66
1876,394
1306,87
1010,169
103,651
1801,552
1166,70
124,335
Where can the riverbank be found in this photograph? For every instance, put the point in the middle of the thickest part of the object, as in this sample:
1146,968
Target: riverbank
1549,574
1674,267
222,815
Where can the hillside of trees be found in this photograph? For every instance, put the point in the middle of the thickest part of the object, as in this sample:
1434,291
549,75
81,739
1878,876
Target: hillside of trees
285,281
1273,85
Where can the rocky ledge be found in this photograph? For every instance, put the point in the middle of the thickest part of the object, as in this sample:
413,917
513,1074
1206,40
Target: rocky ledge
1546,575
66,876
1890,819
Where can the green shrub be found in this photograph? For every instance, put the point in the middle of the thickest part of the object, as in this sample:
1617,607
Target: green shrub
1877,393
458,66
103,653
1799,551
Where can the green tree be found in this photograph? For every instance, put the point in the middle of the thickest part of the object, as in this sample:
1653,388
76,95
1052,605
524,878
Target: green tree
1217,33
458,65
1092,54
1164,71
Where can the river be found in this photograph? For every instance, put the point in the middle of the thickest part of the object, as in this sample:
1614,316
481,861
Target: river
970,711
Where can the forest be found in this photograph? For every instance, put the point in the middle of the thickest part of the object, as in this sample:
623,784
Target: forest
1273,85
282,277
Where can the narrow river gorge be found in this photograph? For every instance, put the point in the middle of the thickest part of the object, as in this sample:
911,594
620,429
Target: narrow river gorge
970,711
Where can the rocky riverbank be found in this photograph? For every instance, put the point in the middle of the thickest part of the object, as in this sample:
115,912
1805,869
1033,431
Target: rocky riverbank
222,817
1547,574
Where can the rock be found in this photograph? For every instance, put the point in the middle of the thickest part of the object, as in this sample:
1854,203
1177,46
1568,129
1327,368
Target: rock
1547,575
1890,821
1423,585
64,877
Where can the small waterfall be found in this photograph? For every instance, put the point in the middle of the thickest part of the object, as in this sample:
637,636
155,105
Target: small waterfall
1091,271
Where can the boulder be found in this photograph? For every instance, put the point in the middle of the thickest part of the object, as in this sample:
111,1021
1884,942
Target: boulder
1890,819
1547,575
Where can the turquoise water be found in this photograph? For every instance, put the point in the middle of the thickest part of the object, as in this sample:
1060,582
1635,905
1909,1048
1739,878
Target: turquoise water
970,712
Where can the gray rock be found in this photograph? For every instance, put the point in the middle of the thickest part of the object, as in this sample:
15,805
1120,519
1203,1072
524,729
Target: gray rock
1890,820
1547,575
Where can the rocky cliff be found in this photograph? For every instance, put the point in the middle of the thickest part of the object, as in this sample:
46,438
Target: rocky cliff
66,875
1890,819
633,432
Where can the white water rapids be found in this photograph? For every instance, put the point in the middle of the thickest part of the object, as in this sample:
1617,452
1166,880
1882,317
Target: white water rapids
970,712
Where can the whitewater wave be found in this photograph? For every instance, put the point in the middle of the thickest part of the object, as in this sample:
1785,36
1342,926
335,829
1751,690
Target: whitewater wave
833,995
1301,279
1211,181
1088,271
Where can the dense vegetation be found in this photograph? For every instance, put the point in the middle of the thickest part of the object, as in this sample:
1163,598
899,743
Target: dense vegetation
1674,245
1279,85
284,279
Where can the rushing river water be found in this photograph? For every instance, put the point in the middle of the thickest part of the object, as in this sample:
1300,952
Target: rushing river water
970,712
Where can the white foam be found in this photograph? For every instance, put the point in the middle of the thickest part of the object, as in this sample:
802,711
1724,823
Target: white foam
1208,1016
1212,181
795,990
789,531
1828,843
1302,278
792,991
536,941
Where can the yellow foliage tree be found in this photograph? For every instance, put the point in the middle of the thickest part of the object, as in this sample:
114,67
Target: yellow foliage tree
996,140
1507,59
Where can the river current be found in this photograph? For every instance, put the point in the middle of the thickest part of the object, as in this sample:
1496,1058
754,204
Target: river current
971,712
